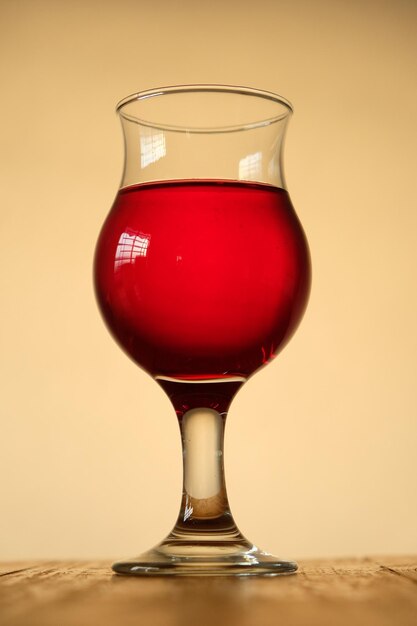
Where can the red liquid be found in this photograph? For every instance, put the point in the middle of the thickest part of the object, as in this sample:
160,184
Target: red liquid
202,280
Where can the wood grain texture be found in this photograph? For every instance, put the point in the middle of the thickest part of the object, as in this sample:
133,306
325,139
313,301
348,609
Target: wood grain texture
368,591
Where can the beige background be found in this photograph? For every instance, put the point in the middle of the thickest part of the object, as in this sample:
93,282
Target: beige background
321,445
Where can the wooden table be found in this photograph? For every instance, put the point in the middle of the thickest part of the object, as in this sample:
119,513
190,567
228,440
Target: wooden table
355,592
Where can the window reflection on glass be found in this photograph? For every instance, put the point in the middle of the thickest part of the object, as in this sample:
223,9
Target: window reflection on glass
152,147
250,166
130,247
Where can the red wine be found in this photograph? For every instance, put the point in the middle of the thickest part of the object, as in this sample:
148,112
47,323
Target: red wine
202,280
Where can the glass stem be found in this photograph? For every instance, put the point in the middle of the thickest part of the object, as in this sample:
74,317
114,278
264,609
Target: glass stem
202,409
205,513
204,489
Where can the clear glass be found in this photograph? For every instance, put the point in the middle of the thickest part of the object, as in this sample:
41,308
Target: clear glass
202,274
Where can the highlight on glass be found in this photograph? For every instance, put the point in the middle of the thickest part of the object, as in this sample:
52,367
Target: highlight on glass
202,275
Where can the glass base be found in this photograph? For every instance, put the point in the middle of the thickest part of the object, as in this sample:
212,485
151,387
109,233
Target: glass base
233,559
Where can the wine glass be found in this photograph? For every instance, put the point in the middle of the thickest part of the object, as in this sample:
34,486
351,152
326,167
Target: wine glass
202,274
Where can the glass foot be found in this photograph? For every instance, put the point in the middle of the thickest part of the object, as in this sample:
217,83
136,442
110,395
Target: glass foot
234,559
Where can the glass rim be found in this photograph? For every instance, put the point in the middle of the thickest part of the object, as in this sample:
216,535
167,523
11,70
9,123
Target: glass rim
206,88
